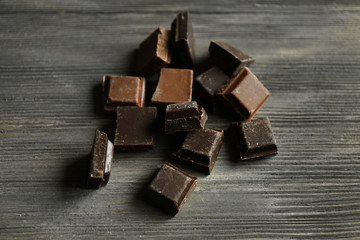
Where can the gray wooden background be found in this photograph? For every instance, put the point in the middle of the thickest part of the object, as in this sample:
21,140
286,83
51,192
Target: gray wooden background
52,58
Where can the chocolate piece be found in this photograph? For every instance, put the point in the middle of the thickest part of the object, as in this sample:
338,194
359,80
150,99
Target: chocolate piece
108,162
170,188
101,160
135,128
244,94
123,91
154,52
208,82
201,148
256,138
228,58
174,86
183,39
184,116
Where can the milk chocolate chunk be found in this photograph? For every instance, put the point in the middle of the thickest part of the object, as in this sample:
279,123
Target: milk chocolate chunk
183,39
123,91
174,86
208,82
184,116
201,148
101,160
154,52
228,58
135,128
171,188
244,94
256,138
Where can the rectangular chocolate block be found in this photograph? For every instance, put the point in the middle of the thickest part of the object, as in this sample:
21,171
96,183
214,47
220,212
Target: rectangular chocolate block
171,188
201,148
174,86
101,160
183,40
123,91
184,116
135,128
228,58
244,94
154,53
208,82
256,138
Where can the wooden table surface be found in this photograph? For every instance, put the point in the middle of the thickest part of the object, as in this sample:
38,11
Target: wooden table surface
52,58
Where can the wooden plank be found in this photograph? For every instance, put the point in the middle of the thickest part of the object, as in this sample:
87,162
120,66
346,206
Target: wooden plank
52,57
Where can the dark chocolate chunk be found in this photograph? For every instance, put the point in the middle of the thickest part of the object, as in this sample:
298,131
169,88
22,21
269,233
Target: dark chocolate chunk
135,128
154,53
171,188
123,91
183,39
101,160
256,138
201,148
184,116
228,58
208,82
244,94
174,86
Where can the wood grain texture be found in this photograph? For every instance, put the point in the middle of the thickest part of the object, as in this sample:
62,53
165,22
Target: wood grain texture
52,57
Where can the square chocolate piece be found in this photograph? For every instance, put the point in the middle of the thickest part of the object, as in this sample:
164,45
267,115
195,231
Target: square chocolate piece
174,86
201,148
101,160
135,128
208,82
154,53
184,116
171,188
244,94
228,58
123,91
256,138
183,39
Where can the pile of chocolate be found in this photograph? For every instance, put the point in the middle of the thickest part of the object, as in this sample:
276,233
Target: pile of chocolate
229,80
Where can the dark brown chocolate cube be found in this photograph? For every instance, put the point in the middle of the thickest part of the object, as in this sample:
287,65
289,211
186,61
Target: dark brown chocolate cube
244,94
208,82
135,128
228,58
183,39
123,91
171,188
201,148
101,160
174,86
256,138
154,53
184,116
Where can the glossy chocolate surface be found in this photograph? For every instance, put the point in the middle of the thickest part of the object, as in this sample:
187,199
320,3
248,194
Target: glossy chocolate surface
256,138
184,116
101,160
174,86
201,148
154,52
183,39
135,128
108,162
228,58
171,188
244,94
123,91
